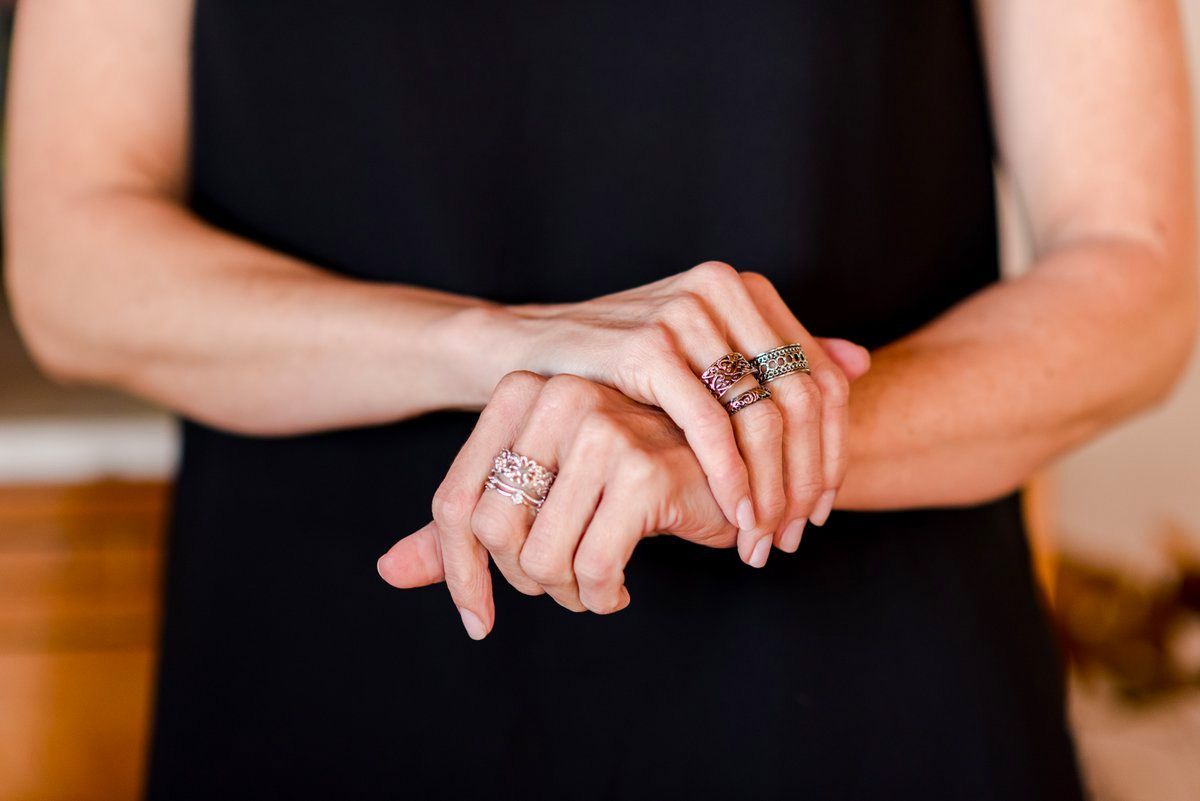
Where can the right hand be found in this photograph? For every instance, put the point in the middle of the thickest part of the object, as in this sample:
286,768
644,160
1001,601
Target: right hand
773,466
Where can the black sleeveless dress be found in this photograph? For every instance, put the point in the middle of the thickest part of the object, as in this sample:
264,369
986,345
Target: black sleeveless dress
535,150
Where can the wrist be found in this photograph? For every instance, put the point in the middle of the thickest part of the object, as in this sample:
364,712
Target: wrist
475,346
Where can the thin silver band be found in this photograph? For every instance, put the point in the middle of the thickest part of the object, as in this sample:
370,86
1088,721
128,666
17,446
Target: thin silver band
747,398
517,496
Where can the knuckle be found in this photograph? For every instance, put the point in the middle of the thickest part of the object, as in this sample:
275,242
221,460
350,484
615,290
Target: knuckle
756,281
804,492
835,387
711,423
730,471
492,527
602,603
686,308
467,586
593,570
803,399
773,505
653,339
592,439
714,274
762,421
452,505
565,391
541,566
641,467
519,382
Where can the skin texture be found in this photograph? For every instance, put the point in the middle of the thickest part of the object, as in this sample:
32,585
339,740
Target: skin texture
113,281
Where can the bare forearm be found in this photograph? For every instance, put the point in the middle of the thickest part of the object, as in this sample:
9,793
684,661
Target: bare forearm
966,408
129,289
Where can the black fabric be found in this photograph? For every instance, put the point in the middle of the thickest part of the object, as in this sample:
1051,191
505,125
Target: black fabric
529,151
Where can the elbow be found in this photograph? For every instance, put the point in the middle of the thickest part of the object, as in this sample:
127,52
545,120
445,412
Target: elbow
43,323
1176,324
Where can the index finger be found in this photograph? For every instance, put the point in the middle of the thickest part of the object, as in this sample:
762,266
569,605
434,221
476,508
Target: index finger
464,559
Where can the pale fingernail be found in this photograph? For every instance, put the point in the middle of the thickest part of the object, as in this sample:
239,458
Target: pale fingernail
789,541
761,552
745,515
473,625
820,512
383,564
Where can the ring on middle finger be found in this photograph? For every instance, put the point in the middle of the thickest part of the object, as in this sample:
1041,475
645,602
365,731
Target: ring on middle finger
778,362
522,480
725,372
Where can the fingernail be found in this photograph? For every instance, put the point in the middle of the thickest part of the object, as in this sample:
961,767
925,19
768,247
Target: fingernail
624,599
472,624
745,515
761,551
383,564
820,512
789,541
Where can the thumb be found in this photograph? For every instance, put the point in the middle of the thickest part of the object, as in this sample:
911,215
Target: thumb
414,561
853,360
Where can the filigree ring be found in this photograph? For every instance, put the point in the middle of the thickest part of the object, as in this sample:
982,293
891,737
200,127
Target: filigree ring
520,479
747,398
725,372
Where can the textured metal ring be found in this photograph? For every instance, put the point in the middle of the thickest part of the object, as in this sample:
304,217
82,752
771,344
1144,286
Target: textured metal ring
778,362
725,372
520,479
747,398
517,496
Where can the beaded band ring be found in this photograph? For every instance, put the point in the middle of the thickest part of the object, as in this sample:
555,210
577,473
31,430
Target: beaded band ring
779,362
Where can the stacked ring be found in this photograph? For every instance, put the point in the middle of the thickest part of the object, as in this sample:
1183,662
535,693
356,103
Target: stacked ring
520,479
725,372
747,398
779,362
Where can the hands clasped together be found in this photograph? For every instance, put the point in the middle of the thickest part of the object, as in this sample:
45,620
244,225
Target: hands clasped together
651,422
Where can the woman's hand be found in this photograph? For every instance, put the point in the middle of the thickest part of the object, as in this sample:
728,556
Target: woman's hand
773,466
624,472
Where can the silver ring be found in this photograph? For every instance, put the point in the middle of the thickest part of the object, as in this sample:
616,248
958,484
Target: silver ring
725,372
520,479
747,398
518,497
779,362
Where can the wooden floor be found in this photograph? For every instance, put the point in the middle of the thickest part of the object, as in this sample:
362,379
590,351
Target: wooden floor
79,587
79,572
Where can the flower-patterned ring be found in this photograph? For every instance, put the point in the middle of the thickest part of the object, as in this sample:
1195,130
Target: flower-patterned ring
725,372
520,479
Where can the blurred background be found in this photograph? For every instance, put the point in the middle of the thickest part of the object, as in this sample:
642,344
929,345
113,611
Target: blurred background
84,479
